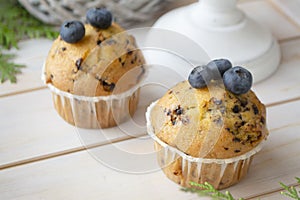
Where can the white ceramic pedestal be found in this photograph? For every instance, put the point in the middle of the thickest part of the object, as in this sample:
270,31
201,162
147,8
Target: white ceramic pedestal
224,31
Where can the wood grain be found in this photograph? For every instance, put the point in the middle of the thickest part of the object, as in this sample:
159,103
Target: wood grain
43,157
264,13
90,175
32,130
276,195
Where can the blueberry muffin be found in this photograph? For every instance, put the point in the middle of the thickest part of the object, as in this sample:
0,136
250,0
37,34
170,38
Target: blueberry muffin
215,129
92,66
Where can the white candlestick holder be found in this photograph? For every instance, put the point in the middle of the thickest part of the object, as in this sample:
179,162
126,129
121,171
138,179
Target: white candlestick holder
224,31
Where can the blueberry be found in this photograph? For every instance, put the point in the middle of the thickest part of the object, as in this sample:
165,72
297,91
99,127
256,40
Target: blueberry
219,67
238,80
99,17
199,77
72,31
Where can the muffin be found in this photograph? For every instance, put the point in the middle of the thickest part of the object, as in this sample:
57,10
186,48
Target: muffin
208,133
93,71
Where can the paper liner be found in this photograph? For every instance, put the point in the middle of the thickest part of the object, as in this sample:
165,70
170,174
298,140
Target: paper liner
183,169
95,112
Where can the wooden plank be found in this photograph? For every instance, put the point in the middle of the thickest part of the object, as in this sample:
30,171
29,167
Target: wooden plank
103,172
284,84
31,53
30,126
264,13
50,136
276,195
290,8
278,161
31,129
79,176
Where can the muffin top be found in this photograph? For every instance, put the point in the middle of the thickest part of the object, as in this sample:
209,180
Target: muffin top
209,122
94,65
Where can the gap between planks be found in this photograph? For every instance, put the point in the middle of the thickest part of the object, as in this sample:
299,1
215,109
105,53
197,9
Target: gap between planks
267,193
282,41
66,152
23,91
282,12
282,102
91,146
96,145
79,149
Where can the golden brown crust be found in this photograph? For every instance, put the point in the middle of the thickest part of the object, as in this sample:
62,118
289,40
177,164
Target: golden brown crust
94,65
209,123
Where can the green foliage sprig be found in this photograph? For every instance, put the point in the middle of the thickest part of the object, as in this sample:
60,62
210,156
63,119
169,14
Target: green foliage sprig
17,24
208,190
8,70
291,191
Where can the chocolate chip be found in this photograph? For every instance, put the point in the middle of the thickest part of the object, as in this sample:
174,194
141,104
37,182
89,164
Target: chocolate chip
78,63
109,87
262,120
132,62
240,117
51,76
64,48
178,110
173,120
69,90
259,135
129,52
255,109
120,60
236,109
237,151
170,92
248,138
246,109
99,42
244,102
236,139
237,124
226,148
169,112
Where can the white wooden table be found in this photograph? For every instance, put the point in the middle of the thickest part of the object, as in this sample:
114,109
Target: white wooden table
43,157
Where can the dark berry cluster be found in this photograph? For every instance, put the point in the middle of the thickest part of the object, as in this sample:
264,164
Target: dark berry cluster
237,80
73,31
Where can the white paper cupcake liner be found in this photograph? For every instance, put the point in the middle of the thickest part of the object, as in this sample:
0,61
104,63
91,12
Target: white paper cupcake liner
94,112
182,168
